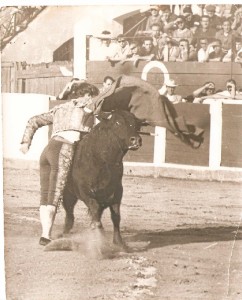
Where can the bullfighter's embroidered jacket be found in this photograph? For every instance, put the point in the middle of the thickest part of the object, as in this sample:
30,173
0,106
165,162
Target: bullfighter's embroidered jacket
71,115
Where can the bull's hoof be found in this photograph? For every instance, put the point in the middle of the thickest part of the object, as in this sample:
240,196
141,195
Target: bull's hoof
44,241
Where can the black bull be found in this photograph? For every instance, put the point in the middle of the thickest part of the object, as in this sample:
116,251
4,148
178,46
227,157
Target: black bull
96,176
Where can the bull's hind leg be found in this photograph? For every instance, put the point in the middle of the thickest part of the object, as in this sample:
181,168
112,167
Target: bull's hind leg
69,202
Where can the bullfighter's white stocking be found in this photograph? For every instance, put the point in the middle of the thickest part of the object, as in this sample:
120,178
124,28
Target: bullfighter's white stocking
47,216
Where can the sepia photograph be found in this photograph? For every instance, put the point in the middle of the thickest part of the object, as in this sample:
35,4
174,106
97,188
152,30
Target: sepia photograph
121,150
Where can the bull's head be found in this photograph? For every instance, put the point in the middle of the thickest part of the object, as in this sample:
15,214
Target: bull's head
124,126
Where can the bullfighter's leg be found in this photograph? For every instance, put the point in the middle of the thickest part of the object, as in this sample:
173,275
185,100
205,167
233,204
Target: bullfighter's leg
47,212
55,164
69,202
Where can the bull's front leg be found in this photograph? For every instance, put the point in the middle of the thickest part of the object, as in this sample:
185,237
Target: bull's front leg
116,218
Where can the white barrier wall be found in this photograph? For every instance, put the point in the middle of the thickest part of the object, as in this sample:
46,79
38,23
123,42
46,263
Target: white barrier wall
16,110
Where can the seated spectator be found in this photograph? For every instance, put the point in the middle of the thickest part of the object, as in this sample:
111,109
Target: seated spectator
133,55
194,28
182,32
226,35
183,54
204,31
214,20
230,93
148,51
224,10
159,39
170,51
168,90
168,19
217,53
237,19
238,49
107,82
207,89
104,49
122,49
202,51
190,18
155,18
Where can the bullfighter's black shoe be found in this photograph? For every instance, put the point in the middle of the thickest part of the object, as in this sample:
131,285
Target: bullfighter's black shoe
44,241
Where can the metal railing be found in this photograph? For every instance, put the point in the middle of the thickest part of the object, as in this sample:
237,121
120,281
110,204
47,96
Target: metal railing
14,19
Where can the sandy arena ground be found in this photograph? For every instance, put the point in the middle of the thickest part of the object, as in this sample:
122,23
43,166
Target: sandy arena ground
185,240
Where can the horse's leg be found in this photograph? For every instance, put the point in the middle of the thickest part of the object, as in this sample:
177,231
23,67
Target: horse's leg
116,217
69,202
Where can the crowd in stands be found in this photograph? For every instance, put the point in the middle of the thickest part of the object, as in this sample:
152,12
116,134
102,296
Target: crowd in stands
200,33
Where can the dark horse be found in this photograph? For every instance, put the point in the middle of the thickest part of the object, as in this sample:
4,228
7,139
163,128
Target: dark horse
96,176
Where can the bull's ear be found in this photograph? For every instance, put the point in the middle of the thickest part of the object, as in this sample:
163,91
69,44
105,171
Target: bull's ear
104,115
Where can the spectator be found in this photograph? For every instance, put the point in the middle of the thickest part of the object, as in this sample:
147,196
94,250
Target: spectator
170,51
190,18
183,54
194,28
214,20
217,53
237,19
148,51
238,49
107,83
204,31
226,35
134,54
155,18
122,49
168,19
104,49
159,39
202,51
168,90
224,10
207,89
182,32
230,93
234,54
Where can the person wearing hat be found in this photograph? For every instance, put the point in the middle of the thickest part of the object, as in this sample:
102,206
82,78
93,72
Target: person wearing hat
168,90
154,18
101,47
214,20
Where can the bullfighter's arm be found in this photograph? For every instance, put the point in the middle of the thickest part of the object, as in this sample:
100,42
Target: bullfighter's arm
33,124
